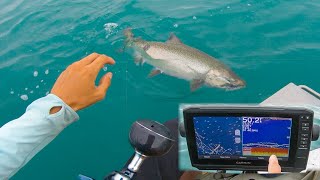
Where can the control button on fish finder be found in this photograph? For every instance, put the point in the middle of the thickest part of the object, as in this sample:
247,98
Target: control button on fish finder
305,135
305,124
304,139
242,157
303,146
305,128
307,117
225,157
302,117
303,142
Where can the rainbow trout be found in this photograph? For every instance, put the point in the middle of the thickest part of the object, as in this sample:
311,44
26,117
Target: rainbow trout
179,60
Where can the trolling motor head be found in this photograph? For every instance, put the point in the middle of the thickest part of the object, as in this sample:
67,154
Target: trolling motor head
148,138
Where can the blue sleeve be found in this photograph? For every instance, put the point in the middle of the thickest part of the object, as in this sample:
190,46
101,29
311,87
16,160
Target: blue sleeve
22,138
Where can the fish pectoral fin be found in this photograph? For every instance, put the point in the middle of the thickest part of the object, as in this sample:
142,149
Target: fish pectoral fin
138,60
154,72
174,39
196,84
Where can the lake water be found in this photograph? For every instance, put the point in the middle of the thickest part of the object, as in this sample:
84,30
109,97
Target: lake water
267,43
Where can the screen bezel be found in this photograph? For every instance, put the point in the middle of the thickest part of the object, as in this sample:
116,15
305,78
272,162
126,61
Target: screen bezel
190,113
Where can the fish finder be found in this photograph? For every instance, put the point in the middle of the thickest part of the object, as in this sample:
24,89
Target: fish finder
243,138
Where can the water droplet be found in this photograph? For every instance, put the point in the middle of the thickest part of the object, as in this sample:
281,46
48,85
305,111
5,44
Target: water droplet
24,97
228,7
11,92
249,4
47,71
31,92
26,89
194,17
175,25
41,80
37,86
105,68
35,73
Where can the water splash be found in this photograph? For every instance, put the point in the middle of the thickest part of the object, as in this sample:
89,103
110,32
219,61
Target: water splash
110,28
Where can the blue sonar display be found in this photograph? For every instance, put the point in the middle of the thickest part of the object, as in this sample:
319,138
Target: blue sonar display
242,137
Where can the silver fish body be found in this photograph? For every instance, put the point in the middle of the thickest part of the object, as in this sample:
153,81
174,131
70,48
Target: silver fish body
179,60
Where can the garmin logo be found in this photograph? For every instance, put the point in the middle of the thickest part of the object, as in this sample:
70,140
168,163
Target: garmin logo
243,162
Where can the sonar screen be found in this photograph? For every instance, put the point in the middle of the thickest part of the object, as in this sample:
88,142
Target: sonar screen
244,137
249,138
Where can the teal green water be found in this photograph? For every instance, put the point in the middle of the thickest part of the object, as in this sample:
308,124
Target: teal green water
268,43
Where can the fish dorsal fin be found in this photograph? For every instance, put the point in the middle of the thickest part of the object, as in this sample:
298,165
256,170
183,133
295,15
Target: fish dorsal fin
173,39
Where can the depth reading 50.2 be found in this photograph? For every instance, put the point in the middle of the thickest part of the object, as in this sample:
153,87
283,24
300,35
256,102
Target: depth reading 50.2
252,120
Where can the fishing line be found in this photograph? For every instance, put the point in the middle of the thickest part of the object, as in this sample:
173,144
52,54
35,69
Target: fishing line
131,26
158,96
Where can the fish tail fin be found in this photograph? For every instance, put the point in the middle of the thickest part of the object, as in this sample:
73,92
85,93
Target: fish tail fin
128,34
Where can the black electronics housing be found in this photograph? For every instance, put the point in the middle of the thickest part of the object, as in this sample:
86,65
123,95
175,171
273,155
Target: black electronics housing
300,140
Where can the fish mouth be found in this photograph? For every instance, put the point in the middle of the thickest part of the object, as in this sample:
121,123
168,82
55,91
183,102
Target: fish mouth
232,87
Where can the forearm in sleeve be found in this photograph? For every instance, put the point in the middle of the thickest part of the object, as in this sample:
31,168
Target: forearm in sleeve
22,138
